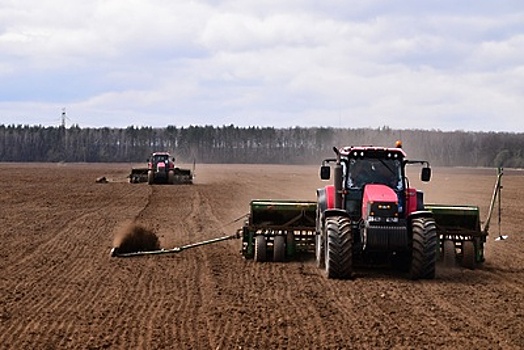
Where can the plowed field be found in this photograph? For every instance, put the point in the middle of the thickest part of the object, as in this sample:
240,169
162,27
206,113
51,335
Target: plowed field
60,289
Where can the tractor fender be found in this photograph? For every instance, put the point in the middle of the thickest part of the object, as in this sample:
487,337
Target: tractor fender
323,215
321,200
335,212
326,198
326,205
418,214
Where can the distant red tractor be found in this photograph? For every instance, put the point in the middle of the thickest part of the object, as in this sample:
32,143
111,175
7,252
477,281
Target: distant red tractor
372,215
161,169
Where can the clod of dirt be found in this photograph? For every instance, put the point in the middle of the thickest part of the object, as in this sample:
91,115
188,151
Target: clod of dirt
135,238
102,180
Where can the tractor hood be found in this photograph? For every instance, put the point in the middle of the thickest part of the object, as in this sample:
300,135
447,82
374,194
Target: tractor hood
160,165
376,193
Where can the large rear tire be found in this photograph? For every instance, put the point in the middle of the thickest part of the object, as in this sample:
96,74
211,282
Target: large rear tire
469,260
279,248
424,249
150,177
260,248
449,254
338,248
171,177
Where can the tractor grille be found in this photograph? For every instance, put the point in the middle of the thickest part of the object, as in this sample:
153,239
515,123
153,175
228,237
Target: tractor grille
387,238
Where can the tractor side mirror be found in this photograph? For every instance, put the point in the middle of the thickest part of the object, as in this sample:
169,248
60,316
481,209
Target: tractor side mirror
425,175
325,172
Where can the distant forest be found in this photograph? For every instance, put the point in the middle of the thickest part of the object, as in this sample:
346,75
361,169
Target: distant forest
231,144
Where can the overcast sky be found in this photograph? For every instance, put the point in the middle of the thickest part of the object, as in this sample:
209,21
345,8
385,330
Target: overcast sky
406,64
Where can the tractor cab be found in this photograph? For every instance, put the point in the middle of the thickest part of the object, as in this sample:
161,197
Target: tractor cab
157,158
160,157
357,168
372,174
365,171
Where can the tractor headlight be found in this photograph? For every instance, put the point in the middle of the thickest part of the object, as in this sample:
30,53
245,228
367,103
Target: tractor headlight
383,212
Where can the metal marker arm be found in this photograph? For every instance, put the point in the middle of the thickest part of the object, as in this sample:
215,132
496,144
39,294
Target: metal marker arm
115,253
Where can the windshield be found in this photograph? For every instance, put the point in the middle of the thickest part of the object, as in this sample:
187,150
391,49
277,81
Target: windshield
374,170
160,158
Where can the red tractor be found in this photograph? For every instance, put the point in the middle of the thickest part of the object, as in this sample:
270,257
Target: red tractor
371,215
161,169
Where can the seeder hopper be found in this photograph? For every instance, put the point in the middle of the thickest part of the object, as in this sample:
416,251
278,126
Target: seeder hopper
278,229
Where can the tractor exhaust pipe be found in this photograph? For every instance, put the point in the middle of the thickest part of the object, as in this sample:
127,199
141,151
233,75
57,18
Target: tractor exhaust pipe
338,180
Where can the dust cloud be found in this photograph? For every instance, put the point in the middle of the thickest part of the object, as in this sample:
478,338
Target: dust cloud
132,238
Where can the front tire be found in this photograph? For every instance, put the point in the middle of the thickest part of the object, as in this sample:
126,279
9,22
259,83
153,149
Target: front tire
338,248
424,248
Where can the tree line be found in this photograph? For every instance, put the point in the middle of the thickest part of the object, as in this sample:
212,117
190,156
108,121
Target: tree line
266,145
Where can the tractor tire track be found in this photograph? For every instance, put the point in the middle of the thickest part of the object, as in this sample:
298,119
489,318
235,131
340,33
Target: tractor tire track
181,226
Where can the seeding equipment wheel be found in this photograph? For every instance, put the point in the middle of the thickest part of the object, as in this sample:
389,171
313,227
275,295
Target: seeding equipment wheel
468,254
279,248
260,248
449,254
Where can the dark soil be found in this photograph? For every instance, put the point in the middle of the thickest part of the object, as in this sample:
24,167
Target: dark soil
60,289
